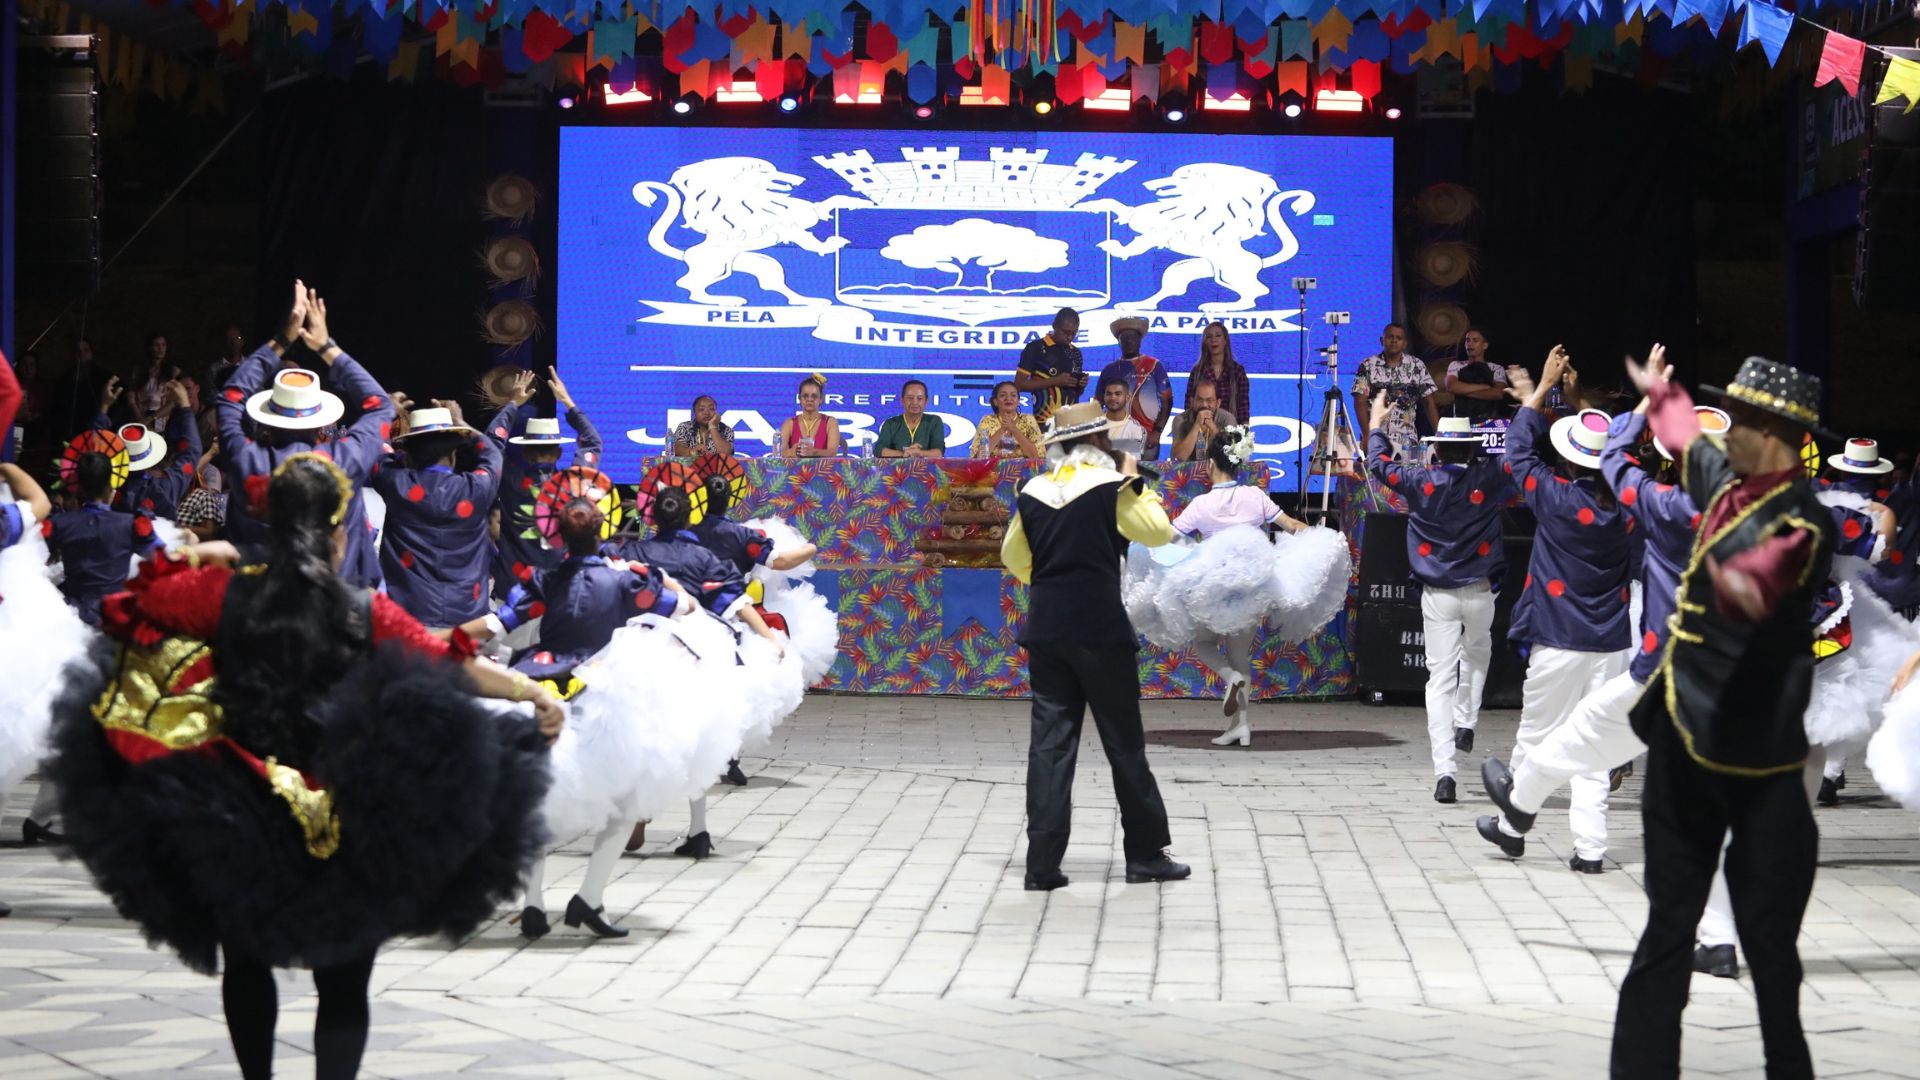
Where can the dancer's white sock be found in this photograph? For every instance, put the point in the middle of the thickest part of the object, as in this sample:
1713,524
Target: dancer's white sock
697,812
536,884
607,845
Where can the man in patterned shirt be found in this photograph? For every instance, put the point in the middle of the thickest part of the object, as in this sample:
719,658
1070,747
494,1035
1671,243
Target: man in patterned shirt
1407,384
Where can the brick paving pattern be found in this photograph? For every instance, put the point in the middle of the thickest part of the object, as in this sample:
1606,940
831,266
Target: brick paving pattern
863,917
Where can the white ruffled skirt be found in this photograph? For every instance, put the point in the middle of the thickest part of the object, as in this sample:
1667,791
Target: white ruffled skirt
39,636
663,710
1850,690
1893,756
1234,581
813,628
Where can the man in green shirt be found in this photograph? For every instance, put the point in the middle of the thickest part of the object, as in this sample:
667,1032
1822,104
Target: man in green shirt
913,434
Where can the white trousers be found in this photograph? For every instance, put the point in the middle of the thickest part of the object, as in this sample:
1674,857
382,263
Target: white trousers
1597,737
1716,920
1457,625
1557,681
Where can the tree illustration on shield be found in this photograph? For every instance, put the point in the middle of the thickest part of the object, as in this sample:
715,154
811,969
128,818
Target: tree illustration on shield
992,246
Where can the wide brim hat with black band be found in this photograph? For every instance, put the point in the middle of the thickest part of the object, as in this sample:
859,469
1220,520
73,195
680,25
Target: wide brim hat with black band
1773,387
1077,421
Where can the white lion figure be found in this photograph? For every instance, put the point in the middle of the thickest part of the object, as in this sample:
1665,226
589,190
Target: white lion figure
1208,212
741,205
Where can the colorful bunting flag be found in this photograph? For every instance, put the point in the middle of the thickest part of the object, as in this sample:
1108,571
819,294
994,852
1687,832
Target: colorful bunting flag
1769,26
1840,58
1903,80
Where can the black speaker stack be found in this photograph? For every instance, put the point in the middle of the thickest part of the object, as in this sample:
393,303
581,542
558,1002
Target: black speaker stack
58,166
1390,655
1886,271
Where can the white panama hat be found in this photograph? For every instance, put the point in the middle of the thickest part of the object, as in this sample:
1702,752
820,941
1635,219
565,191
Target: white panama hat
295,402
1581,437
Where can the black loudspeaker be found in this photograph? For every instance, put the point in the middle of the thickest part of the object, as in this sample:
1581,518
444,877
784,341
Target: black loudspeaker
1390,649
1886,271
1385,575
58,171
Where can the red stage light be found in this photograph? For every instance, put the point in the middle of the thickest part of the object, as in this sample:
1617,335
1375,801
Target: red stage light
923,112
1345,101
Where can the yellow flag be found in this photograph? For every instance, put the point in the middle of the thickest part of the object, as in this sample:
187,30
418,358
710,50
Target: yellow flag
1903,80
1333,30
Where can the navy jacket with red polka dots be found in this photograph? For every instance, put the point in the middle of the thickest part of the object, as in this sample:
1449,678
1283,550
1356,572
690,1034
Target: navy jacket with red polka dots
1665,518
521,553
580,603
95,545
158,490
435,552
1575,595
1453,521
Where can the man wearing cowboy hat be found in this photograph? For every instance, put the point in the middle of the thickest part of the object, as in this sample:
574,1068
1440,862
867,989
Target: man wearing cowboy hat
434,551
1149,390
291,414
162,467
533,446
1722,716
1455,554
1572,614
1067,542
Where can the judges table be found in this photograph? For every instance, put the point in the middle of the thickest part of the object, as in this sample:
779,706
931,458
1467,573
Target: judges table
910,628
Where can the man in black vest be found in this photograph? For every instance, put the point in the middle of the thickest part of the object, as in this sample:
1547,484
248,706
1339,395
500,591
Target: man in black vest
1722,716
1067,542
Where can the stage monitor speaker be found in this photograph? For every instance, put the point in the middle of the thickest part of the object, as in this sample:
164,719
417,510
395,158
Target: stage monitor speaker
1886,272
1390,639
58,167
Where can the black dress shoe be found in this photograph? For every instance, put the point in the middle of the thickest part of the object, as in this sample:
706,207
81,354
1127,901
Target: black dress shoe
533,923
6,909
1443,790
1585,866
1618,774
1829,795
1719,961
32,832
579,914
1499,784
1488,827
1840,782
1159,868
1046,882
1463,739
698,846
734,775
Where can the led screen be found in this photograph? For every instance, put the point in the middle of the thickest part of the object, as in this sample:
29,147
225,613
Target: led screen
735,261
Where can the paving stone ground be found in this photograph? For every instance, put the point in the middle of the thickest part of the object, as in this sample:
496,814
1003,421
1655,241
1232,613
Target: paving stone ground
864,917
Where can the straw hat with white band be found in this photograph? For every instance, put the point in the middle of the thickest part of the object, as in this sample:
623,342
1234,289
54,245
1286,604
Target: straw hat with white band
1860,456
295,402
1077,421
144,448
1581,437
431,421
542,431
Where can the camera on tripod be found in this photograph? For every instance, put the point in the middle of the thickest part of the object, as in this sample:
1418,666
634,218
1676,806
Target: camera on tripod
1338,318
1302,284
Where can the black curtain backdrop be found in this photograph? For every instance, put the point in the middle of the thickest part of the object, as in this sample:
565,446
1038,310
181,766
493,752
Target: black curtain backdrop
371,194
1587,230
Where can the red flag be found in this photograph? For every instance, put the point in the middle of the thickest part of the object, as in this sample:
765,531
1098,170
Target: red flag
1366,78
1840,58
1293,76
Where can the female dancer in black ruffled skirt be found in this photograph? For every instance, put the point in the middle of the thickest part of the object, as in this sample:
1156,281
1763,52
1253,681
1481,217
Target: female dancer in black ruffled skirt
273,763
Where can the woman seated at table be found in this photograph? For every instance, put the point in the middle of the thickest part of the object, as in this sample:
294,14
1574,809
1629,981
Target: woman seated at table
811,433
913,434
1007,432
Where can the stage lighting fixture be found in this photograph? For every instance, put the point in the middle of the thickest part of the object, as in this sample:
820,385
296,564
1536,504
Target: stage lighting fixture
1042,107
1176,114
1234,102
1112,99
1174,108
1342,101
566,103
634,96
789,103
923,112
1393,112
686,103
1292,110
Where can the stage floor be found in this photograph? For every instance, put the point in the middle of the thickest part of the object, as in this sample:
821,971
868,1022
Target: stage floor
863,917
